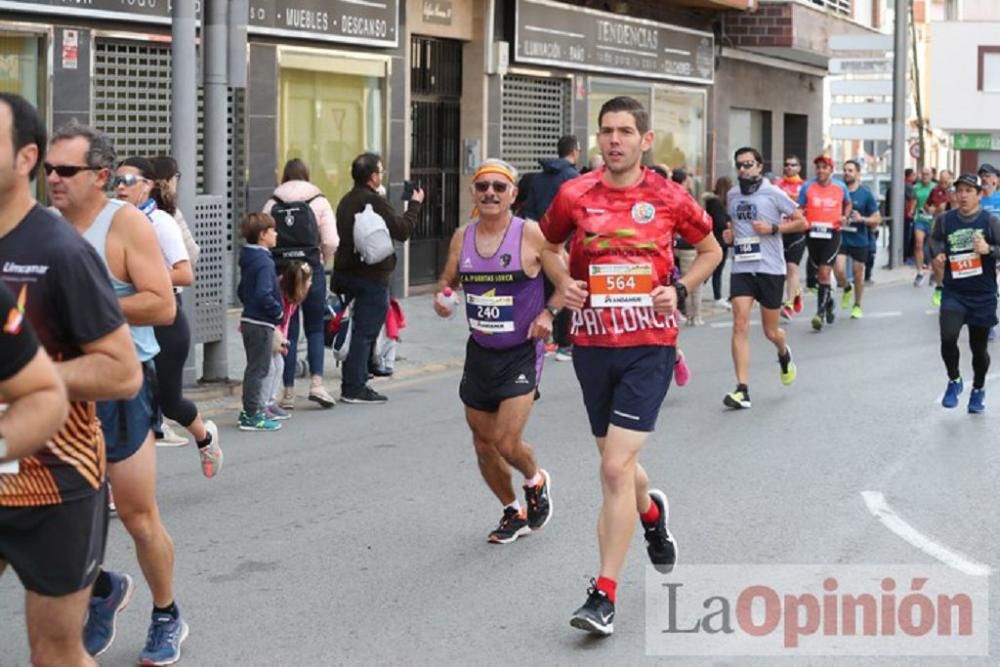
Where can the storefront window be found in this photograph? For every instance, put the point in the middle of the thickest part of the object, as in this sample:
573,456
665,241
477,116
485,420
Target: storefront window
19,66
677,116
328,119
679,124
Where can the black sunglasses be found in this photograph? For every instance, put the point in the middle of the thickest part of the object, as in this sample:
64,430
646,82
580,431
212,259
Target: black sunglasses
66,170
498,186
747,164
791,164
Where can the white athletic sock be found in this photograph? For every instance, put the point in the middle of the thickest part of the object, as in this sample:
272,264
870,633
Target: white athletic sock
516,506
534,481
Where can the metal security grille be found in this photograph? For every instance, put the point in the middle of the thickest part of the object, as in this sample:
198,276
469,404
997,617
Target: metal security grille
536,112
436,86
838,6
210,218
132,91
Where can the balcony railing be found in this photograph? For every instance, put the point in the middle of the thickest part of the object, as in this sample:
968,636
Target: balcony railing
838,6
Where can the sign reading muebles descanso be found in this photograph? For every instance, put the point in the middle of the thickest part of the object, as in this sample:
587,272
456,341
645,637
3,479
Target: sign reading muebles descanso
370,22
550,33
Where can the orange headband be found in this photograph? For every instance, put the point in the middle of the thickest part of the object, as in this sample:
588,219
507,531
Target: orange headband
494,169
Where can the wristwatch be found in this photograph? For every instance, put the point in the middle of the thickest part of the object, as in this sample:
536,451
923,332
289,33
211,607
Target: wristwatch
553,311
775,229
682,292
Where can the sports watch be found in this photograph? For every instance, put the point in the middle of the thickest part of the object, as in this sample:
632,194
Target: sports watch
553,311
682,292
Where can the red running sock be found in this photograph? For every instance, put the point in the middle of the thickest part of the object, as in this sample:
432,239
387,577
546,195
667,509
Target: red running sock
651,515
608,587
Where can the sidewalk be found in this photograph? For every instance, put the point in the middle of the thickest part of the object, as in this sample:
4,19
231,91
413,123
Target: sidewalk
429,344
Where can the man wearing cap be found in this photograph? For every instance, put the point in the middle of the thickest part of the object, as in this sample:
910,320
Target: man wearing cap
988,179
826,203
497,258
965,241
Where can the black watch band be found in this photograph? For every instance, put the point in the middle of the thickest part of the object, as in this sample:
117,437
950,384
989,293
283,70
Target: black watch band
553,311
775,228
682,292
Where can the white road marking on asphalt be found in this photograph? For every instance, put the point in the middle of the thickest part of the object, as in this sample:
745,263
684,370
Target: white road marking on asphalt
932,311
878,316
880,509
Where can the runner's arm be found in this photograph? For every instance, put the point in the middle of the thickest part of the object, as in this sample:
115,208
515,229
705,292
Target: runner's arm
536,241
108,369
182,275
708,257
37,409
449,274
793,222
573,293
153,303
936,240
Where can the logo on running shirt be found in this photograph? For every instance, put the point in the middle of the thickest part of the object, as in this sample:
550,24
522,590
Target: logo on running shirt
467,262
643,212
15,318
505,260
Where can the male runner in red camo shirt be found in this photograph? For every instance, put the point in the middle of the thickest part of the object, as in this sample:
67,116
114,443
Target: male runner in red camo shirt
621,220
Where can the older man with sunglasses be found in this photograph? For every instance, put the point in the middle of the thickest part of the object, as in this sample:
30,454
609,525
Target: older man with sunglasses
498,260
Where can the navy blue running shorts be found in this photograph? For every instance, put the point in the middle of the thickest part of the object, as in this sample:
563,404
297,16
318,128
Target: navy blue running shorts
978,310
624,386
126,423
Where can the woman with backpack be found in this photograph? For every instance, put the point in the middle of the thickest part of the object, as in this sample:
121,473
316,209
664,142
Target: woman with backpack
307,231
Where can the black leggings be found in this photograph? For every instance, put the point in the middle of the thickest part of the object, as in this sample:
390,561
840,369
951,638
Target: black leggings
175,343
951,324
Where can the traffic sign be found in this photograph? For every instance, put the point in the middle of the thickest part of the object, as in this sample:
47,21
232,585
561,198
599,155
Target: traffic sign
915,150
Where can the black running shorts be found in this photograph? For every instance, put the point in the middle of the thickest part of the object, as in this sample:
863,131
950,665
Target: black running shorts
823,252
795,246
858,254
492,376
624,386
56,550
765,288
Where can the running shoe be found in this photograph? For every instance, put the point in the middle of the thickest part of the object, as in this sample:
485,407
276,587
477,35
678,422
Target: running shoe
550,349
736,399
288,399
276,413
797,302
786,312
257,422
112,508
936,297
660,544
977,401
845,298
817,322
787,370
681,371
170,438
856,312
321,396
366,395
697,322
99,632
564,353
539,502
952,392
831,315
597,615
919,279
163,642
724,304
513,524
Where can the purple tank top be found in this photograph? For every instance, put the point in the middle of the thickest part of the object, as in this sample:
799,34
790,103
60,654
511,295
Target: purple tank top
501,301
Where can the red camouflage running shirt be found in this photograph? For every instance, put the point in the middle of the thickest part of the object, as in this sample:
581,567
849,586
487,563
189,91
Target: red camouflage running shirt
621,247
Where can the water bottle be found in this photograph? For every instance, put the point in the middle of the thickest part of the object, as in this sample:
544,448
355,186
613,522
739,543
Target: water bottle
449,300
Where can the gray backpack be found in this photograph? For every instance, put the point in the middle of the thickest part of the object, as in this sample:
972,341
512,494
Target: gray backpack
371,236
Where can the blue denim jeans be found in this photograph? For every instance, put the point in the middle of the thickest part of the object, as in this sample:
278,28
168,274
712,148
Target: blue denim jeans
371,301
312,312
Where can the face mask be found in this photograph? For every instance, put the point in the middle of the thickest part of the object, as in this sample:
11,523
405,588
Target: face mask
749,185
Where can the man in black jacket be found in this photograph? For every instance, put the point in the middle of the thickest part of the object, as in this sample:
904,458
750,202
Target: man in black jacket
366,284
545,185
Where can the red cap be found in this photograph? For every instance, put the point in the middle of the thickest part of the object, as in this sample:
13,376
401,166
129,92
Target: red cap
825,159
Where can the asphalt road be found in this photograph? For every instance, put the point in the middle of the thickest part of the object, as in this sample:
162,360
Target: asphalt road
357,536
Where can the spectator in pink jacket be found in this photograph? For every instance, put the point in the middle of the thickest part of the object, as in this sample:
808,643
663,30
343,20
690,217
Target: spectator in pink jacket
295,186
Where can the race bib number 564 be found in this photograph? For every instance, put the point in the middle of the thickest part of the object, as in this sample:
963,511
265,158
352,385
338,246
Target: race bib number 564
620,285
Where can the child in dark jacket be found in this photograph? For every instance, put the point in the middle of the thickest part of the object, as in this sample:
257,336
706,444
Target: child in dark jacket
262,310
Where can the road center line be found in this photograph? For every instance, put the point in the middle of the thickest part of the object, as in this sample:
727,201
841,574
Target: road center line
880,509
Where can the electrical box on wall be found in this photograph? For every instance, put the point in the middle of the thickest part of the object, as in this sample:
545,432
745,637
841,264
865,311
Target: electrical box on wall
472,151
500,58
